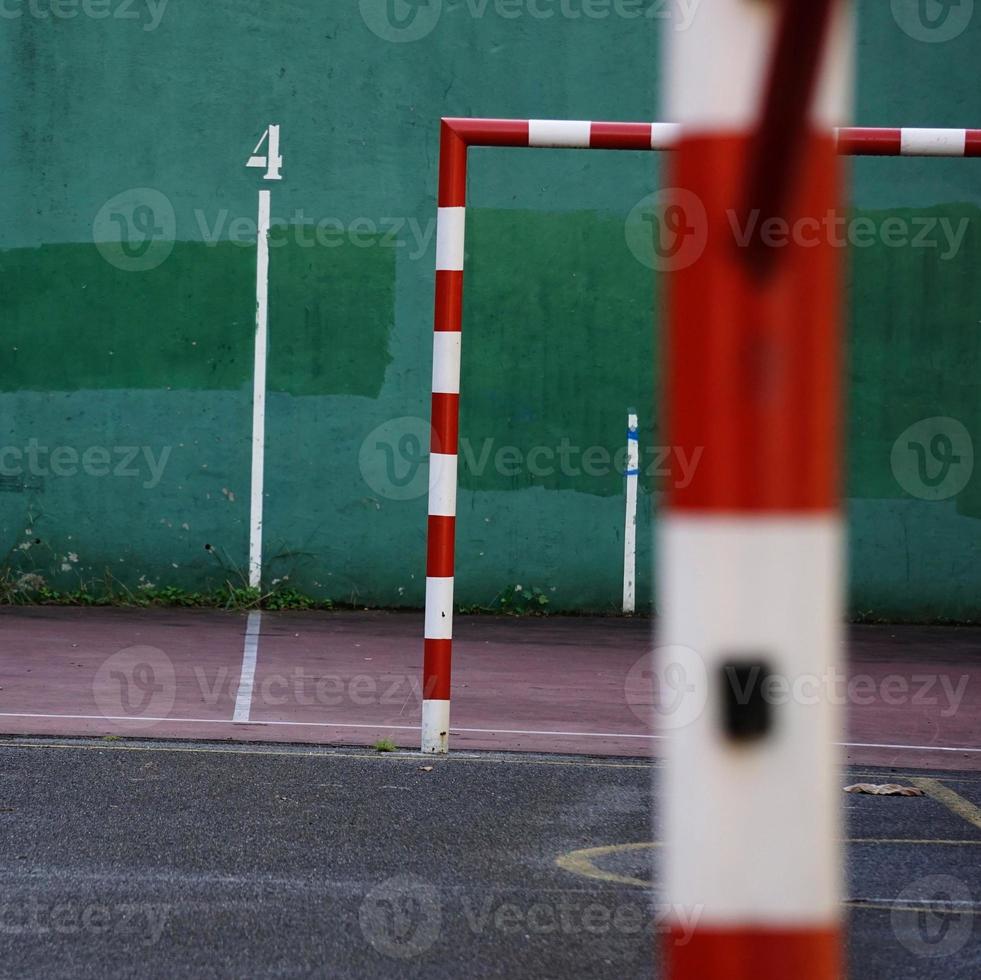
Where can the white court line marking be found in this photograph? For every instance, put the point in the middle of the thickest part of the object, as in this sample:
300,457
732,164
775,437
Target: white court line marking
850,745
917,905
917,748
243,700
517,731
143,719
259,390
460,731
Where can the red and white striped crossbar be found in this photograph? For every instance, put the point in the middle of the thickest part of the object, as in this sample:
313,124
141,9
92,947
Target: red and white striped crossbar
857,141
456,137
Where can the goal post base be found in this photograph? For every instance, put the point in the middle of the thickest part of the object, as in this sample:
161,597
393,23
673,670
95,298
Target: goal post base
436,727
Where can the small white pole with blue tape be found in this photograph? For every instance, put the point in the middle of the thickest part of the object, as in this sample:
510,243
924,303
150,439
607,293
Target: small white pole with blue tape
630,521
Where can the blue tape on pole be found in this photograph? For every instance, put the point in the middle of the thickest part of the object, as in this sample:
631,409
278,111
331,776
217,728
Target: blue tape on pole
633,472
632,435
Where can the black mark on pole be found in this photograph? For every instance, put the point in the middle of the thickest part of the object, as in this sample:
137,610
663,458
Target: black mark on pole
746,713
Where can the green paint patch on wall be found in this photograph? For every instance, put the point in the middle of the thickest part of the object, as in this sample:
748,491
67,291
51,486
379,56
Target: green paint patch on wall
75,322
560,339
914,345
331,314
558,344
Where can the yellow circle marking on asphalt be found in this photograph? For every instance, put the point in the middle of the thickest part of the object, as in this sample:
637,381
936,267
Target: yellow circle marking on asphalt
583,862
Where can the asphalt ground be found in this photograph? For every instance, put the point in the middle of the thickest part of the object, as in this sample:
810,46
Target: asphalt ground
156,859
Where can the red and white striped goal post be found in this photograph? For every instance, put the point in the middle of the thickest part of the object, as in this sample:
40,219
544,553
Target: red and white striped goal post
457,136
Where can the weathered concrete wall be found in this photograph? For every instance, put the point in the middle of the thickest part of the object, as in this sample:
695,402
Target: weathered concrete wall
144,124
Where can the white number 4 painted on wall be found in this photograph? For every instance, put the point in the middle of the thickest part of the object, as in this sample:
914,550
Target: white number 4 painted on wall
271,160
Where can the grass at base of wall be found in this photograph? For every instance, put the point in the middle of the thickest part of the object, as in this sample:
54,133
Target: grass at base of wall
511,601
110,592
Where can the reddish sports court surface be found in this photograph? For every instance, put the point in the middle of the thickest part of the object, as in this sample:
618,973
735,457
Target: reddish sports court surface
557,684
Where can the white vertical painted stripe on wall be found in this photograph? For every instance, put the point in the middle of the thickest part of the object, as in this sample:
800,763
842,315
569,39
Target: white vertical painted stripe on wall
439,608
739,817
446,361
933,142
630,519
450,236
442,484
259,391
559,132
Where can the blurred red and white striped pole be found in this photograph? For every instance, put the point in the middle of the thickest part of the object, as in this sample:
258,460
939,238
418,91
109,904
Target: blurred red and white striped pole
751,548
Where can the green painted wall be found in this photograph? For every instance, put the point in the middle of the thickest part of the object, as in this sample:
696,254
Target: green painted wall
125,376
